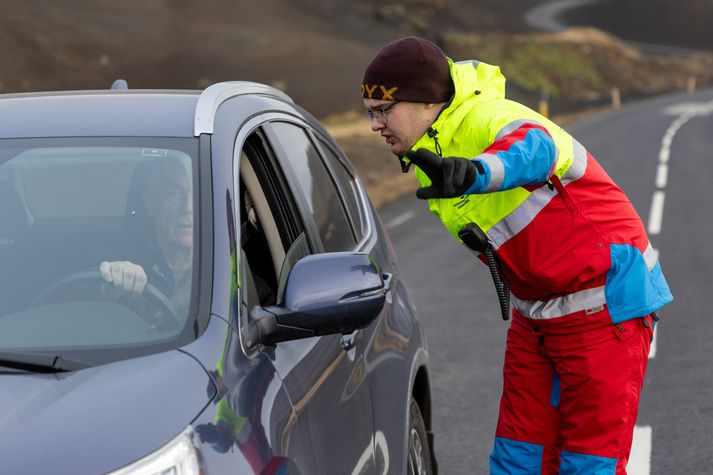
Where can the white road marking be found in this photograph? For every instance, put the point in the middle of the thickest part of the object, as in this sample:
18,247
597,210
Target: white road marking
656,213
661,175
400,219
685,112
665,151
696,108
640,458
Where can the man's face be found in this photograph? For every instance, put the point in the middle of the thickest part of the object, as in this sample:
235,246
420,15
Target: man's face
171,204
405,123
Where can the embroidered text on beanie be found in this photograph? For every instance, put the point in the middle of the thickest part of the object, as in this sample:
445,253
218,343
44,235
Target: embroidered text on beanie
408,69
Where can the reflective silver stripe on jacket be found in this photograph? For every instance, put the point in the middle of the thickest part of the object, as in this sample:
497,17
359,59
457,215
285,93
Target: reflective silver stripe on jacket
497,171
523,215
514,125
651,257
579,164
589,299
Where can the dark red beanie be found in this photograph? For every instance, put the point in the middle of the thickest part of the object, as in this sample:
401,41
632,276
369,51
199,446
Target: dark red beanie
408,69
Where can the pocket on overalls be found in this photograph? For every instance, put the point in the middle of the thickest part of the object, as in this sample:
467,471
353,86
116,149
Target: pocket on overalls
622,330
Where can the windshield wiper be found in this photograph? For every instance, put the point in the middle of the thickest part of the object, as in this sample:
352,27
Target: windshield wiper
39,362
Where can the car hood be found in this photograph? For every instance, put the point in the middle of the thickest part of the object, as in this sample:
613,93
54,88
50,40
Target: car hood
98,419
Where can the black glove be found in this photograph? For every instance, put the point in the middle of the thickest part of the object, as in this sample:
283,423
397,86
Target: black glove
450,176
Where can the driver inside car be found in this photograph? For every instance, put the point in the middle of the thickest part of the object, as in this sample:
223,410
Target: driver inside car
163,254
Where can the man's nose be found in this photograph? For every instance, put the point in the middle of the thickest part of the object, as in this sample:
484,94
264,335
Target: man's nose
376,125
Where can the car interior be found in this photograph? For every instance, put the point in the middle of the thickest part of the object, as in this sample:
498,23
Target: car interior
59,219
38,251
13,236
267,262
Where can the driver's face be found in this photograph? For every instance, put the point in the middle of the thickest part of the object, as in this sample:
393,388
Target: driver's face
173,206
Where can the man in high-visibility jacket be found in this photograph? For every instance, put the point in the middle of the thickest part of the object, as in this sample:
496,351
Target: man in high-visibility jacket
585,281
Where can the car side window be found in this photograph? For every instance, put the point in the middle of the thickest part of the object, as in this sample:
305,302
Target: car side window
318,188
272,234
347,184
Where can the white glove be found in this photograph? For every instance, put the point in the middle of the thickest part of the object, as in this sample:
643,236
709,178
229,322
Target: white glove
127,275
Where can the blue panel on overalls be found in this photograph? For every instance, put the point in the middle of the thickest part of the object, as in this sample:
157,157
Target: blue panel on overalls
583,464
513,457
555,395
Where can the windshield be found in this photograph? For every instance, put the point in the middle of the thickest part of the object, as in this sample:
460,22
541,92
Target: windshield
97,245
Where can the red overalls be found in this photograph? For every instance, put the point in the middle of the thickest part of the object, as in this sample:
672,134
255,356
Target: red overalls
571,391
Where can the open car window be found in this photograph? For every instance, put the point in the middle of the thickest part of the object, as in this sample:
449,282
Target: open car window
273,236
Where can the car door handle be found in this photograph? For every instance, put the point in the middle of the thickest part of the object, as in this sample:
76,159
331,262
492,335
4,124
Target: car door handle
389,280
349,340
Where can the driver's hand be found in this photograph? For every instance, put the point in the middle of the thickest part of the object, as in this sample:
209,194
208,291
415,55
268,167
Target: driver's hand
124,274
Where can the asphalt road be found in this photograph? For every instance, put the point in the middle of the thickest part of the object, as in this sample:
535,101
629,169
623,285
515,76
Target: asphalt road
549,16
659,152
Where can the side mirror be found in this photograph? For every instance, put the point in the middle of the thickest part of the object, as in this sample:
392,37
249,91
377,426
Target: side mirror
325,294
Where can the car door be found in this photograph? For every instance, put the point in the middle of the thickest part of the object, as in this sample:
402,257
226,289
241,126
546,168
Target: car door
292,208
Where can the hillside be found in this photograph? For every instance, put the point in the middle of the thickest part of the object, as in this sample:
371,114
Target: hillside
315,50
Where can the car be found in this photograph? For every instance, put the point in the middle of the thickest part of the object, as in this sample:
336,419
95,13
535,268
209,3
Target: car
197,282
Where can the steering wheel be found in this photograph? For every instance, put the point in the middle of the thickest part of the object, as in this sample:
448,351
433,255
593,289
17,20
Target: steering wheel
151,293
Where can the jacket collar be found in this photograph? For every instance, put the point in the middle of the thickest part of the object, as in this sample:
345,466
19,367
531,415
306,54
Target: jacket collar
474,82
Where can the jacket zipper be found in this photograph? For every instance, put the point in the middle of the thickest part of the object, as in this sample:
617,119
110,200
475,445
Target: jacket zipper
433,133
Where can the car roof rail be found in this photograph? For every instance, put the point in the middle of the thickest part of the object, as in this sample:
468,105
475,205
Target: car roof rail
213,96
120,84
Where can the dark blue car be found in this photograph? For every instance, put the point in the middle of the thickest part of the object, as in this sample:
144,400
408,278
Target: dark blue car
196,282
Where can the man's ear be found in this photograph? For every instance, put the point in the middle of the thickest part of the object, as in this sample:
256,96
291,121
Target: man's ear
431,110
431,105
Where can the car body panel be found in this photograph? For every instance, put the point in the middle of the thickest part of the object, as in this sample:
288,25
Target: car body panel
246,426
105,113
396,354
99,418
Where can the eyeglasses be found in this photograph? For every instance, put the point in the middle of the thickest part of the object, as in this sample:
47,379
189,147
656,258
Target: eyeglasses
379,113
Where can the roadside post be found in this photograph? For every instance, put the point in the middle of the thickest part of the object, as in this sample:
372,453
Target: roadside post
543,105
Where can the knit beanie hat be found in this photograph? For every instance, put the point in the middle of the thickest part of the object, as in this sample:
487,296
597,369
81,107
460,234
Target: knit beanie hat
408,69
